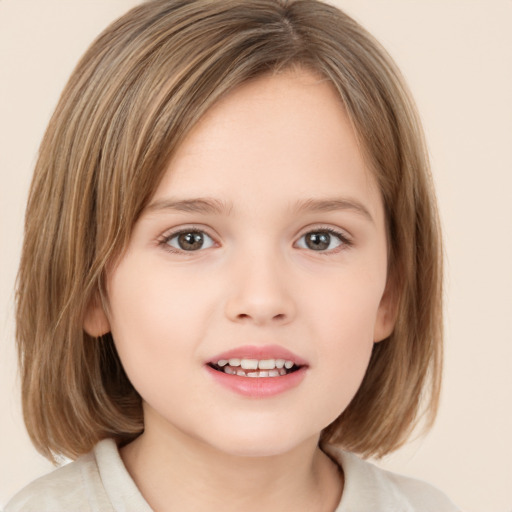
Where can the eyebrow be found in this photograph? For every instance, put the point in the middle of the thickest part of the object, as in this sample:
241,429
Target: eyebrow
205,205
209,205
332,204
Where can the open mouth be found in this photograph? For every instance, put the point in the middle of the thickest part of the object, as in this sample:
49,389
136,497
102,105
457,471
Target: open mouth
255,367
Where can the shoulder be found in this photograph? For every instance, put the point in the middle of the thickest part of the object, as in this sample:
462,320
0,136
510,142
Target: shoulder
368,487
75,486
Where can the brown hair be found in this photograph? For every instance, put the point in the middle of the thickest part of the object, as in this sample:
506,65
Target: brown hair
129,103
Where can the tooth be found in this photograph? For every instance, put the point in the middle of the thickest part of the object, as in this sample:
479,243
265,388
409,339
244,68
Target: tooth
288,364
263,374
273,373
279,363
229,370
253,374
222,362
234,362
248,364
241,373
267,364
282,371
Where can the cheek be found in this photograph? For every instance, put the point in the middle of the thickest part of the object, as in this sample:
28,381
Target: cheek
344,323
153,299
345,307
157,320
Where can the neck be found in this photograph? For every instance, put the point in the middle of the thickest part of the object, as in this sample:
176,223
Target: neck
175,472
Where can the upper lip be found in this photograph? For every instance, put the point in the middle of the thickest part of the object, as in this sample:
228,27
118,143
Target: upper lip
259,352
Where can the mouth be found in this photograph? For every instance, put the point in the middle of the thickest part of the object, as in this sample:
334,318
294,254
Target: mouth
256,371
256,368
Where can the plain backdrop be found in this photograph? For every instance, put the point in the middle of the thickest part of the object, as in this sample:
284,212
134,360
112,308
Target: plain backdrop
457,58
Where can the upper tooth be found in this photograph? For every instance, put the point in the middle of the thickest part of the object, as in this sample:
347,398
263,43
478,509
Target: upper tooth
249,364
255,364
267,364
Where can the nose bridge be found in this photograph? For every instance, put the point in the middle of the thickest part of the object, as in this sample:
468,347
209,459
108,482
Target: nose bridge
260,289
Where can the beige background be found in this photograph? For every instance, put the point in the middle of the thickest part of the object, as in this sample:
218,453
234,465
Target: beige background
457,57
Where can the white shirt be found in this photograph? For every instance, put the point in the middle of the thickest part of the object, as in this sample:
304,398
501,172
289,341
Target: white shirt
99,482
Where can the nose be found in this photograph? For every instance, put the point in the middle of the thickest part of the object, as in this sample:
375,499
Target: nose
260,292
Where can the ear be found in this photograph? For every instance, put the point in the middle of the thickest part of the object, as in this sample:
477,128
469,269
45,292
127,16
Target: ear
96,323
387,313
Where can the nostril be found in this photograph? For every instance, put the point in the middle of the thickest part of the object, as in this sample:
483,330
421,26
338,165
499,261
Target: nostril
261,319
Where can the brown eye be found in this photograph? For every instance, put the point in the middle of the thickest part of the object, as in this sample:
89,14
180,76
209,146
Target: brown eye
190,241
322,240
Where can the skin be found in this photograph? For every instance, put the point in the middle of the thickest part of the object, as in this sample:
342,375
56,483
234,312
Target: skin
271,143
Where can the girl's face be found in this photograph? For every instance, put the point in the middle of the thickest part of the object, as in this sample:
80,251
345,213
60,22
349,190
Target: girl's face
265,242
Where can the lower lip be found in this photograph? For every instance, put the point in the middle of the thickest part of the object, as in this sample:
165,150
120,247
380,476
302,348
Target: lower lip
258,387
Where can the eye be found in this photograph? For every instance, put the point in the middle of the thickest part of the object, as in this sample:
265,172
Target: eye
323,240
188,240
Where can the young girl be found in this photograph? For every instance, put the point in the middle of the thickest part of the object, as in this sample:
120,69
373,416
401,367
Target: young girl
231,276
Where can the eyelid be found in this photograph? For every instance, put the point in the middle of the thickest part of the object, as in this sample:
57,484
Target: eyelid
326,227
344,237
173,232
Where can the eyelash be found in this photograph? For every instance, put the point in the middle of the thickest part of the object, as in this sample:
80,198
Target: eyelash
345,242
164,241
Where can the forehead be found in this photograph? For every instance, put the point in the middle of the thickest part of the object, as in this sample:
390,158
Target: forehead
282,137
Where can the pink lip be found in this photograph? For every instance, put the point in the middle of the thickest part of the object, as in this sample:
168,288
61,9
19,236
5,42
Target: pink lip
259,387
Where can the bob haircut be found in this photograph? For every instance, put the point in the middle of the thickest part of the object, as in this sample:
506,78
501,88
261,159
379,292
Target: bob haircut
130,102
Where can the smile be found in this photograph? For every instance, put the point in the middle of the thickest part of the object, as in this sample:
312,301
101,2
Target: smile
258,371
260,368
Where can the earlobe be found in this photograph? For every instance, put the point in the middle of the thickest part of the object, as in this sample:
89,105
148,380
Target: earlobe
96,323
386,315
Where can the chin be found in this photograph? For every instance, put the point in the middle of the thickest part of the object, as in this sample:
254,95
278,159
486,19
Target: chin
259,442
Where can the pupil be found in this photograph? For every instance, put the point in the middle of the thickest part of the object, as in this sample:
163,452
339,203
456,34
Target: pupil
318,241
190,241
